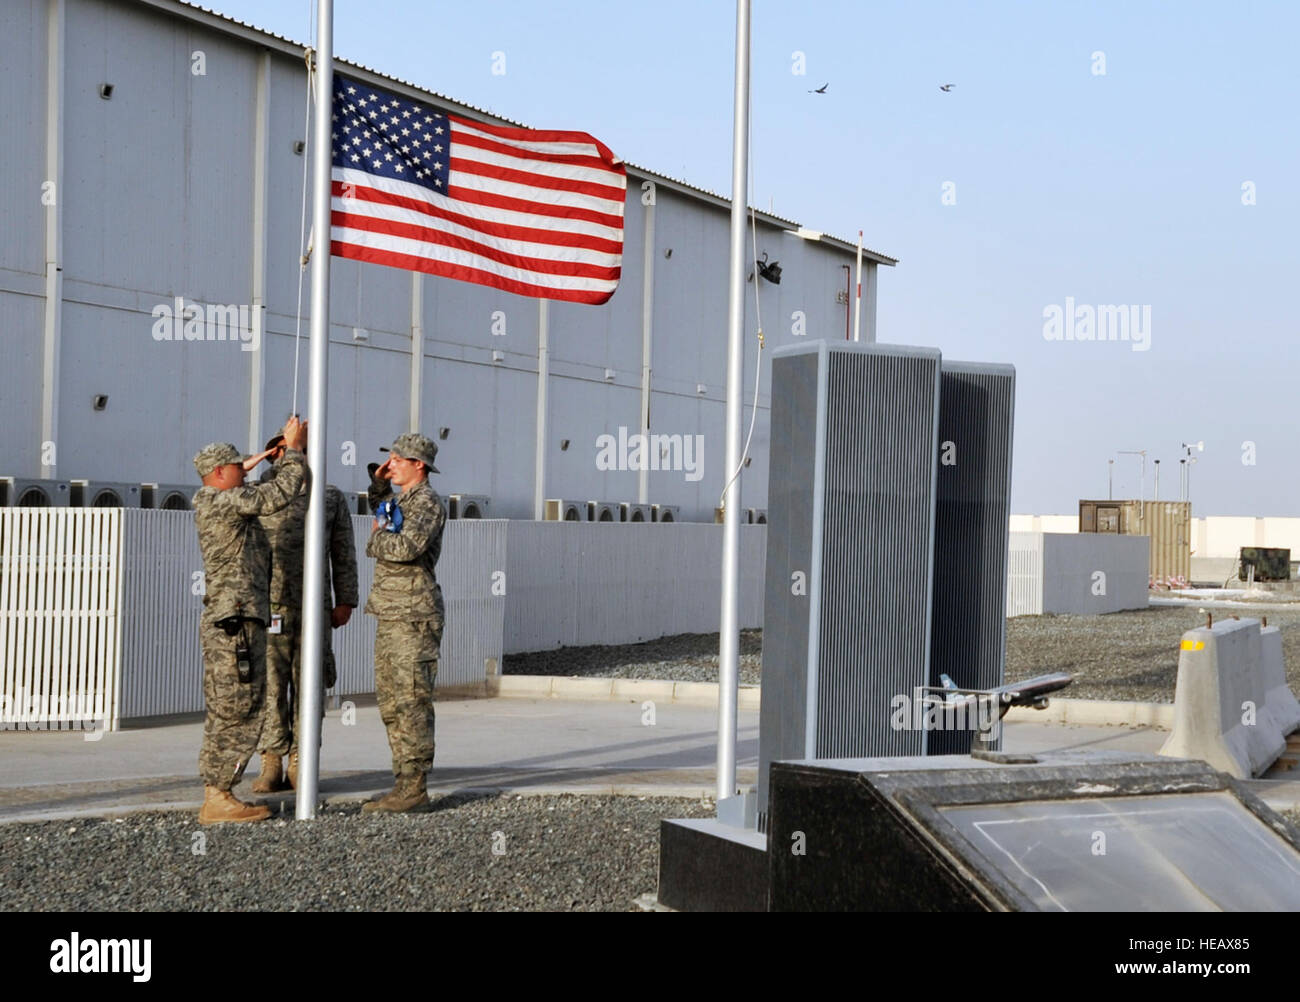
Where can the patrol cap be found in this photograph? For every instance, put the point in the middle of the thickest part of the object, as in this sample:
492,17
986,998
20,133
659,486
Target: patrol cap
275,441
216,454
413,445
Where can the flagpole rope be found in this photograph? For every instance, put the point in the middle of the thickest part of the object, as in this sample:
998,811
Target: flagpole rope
758,319
305,256
304,246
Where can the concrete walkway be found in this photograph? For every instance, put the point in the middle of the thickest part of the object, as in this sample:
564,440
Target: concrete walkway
521,745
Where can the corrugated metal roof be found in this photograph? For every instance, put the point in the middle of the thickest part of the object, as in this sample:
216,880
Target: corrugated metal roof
216,19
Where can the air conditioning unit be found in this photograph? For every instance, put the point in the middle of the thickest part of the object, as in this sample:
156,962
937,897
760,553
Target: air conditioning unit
756,516
666,512
104,494
23,492
602,511
167,497
630,512
558,510
469,506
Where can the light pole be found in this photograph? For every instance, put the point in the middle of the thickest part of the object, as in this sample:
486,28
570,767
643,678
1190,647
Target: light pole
1110,480
1186,463
1157,462
1142,494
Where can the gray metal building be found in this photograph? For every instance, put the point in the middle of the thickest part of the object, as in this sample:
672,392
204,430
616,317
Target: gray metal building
181,183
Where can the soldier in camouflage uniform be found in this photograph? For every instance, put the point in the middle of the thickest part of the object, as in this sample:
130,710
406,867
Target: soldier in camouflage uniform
236,611
408,603
287,531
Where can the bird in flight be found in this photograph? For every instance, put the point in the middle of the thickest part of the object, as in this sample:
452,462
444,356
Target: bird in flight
946,87
821,89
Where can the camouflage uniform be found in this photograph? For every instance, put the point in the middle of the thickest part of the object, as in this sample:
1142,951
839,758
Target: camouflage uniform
236,607
408,602
287,532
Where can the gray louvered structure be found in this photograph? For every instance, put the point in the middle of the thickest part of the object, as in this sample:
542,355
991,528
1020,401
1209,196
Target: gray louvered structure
968,639
851,508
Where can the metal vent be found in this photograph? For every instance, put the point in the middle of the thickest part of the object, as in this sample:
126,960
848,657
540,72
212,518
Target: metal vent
972,516
558,510
21,492
631,512
167,497
468,505
99,494
603,511
666,512
850,549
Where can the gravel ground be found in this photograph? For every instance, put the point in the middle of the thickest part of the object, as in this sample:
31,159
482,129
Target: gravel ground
1125,655
685,657
560,853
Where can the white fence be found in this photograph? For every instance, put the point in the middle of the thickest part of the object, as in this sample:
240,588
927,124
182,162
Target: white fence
99,608
60,591
99,614
1082,574
162,597
472,551
578,583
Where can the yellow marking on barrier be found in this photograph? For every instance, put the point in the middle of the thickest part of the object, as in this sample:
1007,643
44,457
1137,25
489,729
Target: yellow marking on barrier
1193,645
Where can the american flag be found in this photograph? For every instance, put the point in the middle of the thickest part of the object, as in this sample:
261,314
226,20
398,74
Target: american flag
538,213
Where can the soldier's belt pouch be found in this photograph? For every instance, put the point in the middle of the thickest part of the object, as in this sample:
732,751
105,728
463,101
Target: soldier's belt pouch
244,660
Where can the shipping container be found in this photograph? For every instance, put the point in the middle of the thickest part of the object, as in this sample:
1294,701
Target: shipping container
1168,523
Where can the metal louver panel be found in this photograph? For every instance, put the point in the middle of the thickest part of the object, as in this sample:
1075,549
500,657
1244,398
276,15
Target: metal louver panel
851,504
971,526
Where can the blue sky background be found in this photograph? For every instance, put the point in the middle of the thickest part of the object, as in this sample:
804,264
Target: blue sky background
1124,188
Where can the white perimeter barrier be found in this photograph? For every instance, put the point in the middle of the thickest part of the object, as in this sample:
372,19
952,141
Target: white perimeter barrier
1232,706
471,573
1081,574
571,584
99,614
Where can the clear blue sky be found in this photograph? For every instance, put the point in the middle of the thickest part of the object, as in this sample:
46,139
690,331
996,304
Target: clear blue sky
1122,188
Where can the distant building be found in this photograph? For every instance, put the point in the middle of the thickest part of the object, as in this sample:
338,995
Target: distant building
162,174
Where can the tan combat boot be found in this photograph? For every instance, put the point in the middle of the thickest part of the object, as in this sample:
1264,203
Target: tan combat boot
222,806
292,774
408,794
269,780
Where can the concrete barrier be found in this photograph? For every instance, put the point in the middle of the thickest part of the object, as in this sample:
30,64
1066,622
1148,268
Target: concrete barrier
1281,702
1232,706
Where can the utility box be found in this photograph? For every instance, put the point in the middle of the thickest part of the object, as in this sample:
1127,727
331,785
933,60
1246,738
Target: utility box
1270,563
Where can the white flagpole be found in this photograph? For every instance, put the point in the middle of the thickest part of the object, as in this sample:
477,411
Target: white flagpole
543,382
729,633
857,307
313,599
